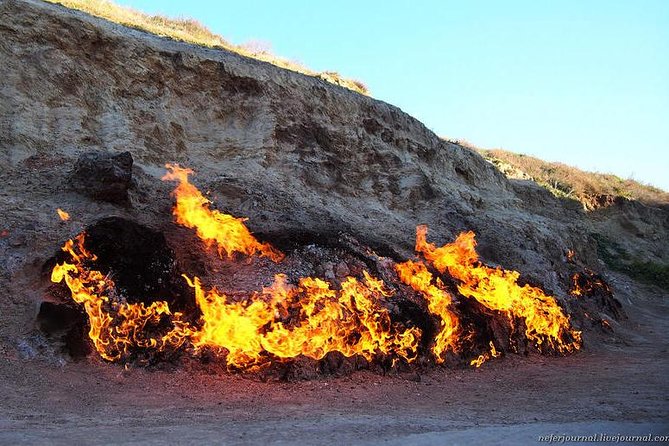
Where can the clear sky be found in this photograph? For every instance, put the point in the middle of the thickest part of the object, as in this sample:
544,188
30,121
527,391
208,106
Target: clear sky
583,82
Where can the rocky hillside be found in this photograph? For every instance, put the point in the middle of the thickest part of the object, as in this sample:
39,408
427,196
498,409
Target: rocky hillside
192,31
302,158
629,220
593,190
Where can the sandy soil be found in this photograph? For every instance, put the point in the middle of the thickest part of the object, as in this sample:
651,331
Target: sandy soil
617,385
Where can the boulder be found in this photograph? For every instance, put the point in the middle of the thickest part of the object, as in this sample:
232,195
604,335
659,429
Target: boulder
103,176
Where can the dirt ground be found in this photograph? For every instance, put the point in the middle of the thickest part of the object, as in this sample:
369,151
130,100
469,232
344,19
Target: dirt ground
615,386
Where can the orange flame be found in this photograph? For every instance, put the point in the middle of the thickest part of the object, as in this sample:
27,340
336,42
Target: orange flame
485,356
350,320
116,328
227,232
416,275
587,283
498,289
576,289
63,215
571,256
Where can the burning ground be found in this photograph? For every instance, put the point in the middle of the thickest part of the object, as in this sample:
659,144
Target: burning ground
334,186
409,313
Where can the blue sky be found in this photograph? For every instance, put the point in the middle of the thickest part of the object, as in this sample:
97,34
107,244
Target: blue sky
581,82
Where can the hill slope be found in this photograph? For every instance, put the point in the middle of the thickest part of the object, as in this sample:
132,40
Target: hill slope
629,220
190,30
593,190
294,153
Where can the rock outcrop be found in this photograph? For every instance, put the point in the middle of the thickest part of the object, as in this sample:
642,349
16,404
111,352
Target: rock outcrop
103,176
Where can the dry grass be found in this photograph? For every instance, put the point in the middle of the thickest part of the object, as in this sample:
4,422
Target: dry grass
591,189
191,31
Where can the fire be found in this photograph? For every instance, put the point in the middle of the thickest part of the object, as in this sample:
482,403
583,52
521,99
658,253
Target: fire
416,275
307,316
349,320
117,328
64,216
571,256
229,233
587,283
497,289
493,353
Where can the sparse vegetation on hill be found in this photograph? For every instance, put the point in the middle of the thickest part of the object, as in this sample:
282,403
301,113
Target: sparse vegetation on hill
192,31
592,189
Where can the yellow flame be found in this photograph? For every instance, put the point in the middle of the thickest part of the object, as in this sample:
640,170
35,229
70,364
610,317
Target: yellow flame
115,327
62,214
349,320
227,232
310,317
493,353
416,275
497,289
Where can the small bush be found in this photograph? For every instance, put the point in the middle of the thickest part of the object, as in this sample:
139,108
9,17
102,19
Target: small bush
649,272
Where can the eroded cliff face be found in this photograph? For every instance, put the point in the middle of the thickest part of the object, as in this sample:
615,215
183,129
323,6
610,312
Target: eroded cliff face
296,155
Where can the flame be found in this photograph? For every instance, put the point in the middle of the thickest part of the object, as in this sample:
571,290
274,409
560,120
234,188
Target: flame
587,283
227,232
349,320
576,289
416,275
64,216
571,256
116,328
493,353
498,289
307,316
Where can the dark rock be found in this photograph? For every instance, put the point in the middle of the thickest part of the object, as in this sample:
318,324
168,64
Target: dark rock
139,259
103,175
17,240
63,321
342,270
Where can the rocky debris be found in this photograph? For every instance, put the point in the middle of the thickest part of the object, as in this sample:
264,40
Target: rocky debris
103,175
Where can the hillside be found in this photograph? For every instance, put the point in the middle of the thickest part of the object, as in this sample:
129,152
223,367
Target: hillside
192,31
592,189
628,219
251,132
626,216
